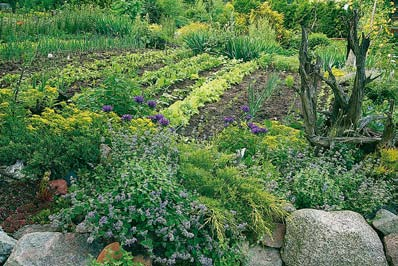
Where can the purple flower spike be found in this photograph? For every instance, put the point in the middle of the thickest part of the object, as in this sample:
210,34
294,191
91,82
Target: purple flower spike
127,117
107,108
228,119
139,99
151,104
248,117
159,117
258,130
164,121
245,108
251,125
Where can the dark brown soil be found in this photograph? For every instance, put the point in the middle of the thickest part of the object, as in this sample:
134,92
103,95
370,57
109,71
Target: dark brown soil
210,120
18,203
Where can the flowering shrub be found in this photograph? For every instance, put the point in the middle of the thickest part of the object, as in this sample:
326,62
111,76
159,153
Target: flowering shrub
334,180
136,199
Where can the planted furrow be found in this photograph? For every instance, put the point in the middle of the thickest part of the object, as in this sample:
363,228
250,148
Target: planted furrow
181,111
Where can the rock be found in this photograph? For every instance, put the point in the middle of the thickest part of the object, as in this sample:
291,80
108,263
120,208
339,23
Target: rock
6,246
276,239
386,222
13,172
391,246
289,207
110,251
52,248
340,238
34,228
5,6
59,186
264,256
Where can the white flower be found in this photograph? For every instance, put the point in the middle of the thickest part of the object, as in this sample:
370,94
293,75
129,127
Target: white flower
50,56
345,7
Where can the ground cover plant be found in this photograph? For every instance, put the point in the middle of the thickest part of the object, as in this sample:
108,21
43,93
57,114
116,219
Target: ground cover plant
186,130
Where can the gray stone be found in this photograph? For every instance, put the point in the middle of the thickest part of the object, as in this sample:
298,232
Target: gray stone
12,172
6,245
391,246
5,6
52,248
34,228
341,238
275,240
386,222
264,256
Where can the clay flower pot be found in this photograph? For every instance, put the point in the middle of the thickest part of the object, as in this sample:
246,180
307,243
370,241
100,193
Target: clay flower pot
111,251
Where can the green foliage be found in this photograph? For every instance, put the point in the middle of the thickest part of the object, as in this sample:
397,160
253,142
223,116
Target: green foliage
289,81
213,176
132,8
115,91
321,16
245,6
257,97
116,258
335,179
136,199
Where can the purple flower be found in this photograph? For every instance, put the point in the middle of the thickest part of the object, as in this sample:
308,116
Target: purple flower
107,108
245,108
131,241
164,122
151,104
103,220
127,117
258,130
248,117
228,119
251,125
139,99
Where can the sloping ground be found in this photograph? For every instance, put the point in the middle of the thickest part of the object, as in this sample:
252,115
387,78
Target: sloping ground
210,120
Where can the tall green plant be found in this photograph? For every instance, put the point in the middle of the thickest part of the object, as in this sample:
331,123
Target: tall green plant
257,97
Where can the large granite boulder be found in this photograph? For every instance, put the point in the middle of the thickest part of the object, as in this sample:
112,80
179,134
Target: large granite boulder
340,238
6,245
386,222
391,246
264,256
52,248
33,228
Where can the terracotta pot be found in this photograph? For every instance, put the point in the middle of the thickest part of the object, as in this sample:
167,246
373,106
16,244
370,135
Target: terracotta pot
111,251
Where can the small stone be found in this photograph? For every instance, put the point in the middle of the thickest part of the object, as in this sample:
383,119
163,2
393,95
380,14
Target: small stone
264,256
59,186
276,238
289,207
7,244
391,246
386,222
111,251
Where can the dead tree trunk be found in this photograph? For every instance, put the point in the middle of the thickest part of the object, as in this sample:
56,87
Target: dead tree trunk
346,110
309,74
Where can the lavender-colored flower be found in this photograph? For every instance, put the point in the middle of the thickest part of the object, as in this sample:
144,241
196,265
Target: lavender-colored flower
158,117
258,130
139,99
109,234
248,117
228,120
91,214
107,108
205,261
131,241
164,122
251,125
245,108
151,104
127,117
103,220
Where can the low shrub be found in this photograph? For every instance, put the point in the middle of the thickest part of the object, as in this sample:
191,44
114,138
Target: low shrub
136,199
213,175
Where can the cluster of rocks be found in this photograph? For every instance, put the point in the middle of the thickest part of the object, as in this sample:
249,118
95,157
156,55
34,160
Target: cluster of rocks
309,237
386,223
339,238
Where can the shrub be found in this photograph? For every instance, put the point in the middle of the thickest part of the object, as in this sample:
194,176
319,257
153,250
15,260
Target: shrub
136,199
335,179
214,177
289,81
